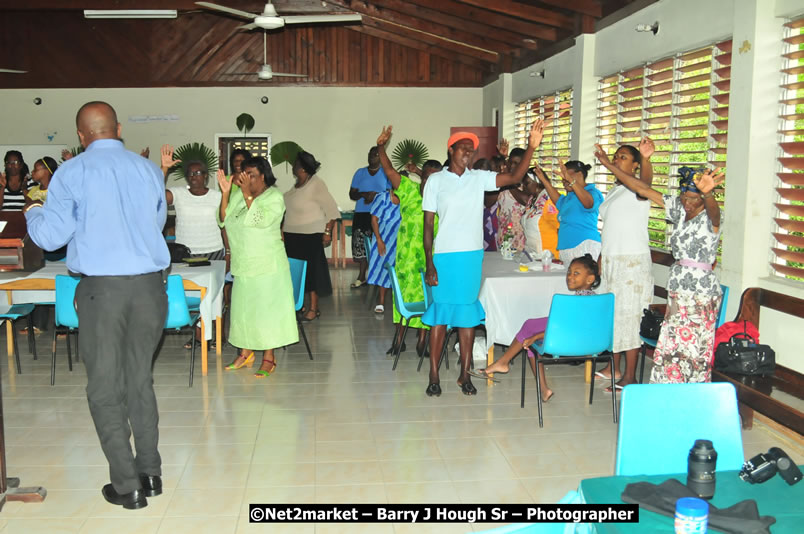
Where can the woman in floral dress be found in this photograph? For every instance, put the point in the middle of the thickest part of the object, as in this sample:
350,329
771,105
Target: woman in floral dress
409,249
685,348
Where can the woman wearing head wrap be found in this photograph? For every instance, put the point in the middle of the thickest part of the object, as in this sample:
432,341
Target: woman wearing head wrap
454,261
684,351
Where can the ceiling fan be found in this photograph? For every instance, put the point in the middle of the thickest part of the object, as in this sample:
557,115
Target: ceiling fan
266,72
270,20
13,71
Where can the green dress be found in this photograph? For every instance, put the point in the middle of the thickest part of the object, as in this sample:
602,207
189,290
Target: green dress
263,314
410,246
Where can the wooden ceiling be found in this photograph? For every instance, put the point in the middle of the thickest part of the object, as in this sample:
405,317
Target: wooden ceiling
398,43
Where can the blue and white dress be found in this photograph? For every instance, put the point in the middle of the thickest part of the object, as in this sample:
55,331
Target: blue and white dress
388,220
458,246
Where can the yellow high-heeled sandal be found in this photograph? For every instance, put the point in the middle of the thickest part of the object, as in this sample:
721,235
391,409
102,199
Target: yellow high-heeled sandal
264,374
247,361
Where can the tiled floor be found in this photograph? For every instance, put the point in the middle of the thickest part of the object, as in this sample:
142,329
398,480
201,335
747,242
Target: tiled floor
343,428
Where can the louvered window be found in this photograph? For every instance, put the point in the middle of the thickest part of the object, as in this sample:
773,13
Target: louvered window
682,103
788,248
556,110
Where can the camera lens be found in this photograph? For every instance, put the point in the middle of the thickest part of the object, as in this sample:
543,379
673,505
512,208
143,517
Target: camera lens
701,468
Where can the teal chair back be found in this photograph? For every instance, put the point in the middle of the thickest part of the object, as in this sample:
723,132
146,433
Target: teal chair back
65,301
659,423
594,313
178,314
405,309
428,291
298,275
721,317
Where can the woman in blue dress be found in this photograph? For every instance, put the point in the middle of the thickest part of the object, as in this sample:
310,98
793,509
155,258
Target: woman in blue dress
385,219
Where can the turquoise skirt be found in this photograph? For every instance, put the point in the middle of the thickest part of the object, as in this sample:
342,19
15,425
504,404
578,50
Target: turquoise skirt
455,297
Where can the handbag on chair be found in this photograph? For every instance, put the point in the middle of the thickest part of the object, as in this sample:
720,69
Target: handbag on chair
651,323
742,355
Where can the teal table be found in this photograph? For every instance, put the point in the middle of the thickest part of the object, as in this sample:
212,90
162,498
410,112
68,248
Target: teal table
774,497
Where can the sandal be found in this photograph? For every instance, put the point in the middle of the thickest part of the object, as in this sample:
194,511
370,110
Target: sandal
393,348
379,308
433,389
357,283
481,373
189,344
306,319
248,360
467,388
262,373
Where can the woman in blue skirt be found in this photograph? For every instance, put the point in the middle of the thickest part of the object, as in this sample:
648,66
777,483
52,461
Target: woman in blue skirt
455,260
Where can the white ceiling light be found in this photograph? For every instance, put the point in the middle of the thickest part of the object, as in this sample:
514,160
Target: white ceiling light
130,13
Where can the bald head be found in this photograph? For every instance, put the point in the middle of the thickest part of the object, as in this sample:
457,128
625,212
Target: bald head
96,120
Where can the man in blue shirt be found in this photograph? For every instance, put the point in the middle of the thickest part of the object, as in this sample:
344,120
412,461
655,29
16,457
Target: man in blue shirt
108,206
367,182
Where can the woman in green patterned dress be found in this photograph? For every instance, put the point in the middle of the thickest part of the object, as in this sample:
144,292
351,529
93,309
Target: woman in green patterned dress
263,315
409,247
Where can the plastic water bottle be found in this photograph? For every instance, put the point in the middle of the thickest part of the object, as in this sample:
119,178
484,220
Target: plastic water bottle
547,260
692,515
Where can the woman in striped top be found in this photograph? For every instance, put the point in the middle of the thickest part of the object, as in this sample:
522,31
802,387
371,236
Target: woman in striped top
385,220
15,182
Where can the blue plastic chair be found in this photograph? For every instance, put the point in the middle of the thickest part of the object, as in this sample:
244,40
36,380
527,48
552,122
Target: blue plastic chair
564,344
648,342
15,312
66,318
179,314
660,422
428,299
408,310
298,275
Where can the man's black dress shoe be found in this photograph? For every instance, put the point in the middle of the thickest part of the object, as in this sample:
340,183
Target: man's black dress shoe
130,501
151,485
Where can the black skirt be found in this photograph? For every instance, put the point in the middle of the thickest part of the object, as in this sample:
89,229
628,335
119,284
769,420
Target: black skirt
309,247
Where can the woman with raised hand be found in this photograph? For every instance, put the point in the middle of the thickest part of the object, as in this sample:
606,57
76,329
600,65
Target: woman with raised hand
263,315
626,263
455,258
686,341
409,251
577,211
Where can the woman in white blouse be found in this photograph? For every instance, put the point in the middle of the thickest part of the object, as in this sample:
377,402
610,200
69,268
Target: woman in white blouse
625,261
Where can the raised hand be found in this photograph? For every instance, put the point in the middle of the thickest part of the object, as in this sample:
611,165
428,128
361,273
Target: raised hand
3,180
709,180
646,147
167,155
540,174
224,182
536,134
66,154
385,135
503,147
601,155
145,152
412,168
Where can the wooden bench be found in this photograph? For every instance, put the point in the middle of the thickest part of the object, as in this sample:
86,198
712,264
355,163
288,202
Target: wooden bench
765,394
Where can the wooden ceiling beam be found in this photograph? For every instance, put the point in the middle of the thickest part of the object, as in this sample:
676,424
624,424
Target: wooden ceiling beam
379,10
417,44
284,7
513,25
531,13
593,8
447,45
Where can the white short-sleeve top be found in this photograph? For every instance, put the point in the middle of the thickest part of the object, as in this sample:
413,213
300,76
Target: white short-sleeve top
625,223
458,201
196,220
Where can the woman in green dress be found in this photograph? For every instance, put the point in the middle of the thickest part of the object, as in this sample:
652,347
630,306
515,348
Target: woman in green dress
409,247
263,315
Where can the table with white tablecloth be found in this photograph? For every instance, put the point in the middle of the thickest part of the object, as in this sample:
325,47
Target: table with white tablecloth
210,277
510,297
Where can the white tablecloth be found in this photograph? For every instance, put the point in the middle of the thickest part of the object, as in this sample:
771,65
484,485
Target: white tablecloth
510,297
209,276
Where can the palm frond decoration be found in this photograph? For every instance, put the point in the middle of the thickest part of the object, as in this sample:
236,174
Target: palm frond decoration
284,152
74,152
194,152
244,123
409,151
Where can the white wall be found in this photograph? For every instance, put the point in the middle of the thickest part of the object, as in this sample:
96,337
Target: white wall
686,25
338,125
